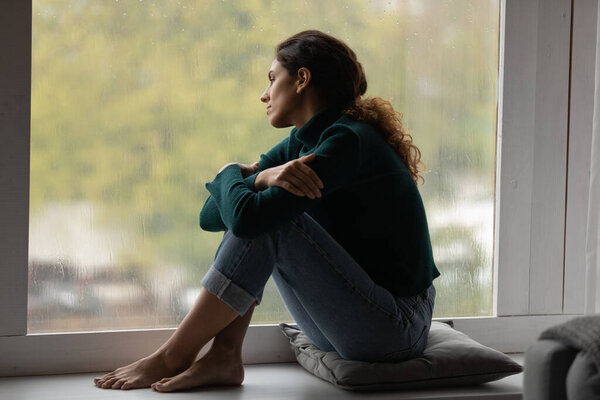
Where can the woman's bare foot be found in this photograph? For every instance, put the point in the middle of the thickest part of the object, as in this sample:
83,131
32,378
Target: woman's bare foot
214,369
142,373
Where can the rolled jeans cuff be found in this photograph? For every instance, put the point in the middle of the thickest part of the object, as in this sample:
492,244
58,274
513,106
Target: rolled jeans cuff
228,292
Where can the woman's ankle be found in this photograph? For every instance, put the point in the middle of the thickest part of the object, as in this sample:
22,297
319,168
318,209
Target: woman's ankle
226,350
173,359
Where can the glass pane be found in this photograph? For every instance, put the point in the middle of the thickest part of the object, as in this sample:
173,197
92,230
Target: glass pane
136,104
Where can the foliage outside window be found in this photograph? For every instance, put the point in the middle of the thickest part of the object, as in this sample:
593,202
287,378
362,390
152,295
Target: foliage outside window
136,104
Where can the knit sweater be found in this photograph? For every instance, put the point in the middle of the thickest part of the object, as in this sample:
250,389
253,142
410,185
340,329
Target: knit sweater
370,204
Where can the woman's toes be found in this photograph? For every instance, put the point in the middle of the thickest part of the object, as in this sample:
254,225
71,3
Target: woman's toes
160,385
118,384
163,387
108,383
155,386
100,382
172,384
127,385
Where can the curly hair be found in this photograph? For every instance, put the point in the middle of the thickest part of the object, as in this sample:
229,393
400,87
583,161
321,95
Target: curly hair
340,80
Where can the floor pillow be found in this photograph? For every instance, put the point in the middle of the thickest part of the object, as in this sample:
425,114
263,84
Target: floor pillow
451,358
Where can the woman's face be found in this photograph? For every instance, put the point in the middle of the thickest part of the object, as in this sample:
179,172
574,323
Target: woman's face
281,97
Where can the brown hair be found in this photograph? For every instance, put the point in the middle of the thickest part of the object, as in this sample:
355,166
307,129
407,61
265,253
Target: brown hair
340,79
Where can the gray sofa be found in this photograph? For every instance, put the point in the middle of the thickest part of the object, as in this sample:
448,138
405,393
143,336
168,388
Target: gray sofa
564,363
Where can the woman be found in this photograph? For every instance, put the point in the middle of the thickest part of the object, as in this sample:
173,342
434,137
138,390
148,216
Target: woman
332,213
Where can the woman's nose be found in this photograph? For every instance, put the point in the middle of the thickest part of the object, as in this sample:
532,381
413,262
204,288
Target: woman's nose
264,97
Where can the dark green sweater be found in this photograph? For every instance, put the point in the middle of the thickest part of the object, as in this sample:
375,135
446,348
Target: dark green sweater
370,204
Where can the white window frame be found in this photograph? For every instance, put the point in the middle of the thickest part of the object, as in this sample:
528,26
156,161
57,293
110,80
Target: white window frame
546,81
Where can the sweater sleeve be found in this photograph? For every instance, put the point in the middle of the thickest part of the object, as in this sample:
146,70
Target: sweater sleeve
210,216
275,156
249,214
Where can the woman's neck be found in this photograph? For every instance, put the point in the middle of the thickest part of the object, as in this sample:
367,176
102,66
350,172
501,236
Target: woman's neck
310,107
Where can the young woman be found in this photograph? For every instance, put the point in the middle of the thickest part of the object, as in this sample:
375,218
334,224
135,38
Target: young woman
332,213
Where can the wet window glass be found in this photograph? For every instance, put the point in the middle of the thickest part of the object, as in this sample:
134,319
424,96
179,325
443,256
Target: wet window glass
137,103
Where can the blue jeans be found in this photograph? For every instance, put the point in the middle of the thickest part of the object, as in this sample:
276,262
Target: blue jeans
332,299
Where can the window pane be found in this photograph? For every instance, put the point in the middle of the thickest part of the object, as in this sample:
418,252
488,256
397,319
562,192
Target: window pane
136,104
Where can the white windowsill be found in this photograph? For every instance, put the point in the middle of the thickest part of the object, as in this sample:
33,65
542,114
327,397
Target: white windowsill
97,351
264,381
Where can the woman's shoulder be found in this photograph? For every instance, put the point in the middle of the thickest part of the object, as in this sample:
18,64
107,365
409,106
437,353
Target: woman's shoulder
347,122
364,131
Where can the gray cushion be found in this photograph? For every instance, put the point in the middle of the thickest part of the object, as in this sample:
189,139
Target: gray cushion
451,358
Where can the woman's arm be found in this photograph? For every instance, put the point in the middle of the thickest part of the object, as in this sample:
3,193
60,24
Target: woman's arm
248,213
210,216
277,155
294,176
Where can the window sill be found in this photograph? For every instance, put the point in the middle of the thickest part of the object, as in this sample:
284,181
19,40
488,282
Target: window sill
264,381
60,353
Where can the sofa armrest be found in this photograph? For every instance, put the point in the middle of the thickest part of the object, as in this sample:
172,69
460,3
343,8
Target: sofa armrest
547,363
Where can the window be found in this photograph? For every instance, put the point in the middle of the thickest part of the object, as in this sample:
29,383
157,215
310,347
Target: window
136,104
533,111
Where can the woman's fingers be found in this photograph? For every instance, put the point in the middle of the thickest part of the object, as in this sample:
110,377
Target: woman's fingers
308,157
301,181
309,171
310,174
307,184
292,189
302,187
295,176
248,170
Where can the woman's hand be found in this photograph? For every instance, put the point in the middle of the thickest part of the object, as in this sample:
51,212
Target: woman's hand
294,176
247,170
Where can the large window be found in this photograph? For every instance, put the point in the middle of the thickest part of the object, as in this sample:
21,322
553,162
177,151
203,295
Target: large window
545,112
136,104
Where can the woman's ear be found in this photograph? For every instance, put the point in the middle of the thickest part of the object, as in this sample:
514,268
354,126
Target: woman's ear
303,79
